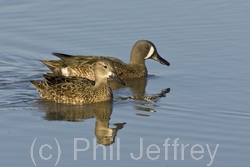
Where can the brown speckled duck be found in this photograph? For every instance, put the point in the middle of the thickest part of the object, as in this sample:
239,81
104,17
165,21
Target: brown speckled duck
75,90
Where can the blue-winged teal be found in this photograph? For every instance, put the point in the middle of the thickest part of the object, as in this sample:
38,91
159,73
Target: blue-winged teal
82,66
79,90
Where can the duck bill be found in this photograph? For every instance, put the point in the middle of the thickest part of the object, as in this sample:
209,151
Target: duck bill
158,58
117,79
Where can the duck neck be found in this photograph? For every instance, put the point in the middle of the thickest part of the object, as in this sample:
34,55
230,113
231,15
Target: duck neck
101,82
136,59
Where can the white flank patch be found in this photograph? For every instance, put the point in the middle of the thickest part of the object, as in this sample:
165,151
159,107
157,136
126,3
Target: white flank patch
150,53
65,71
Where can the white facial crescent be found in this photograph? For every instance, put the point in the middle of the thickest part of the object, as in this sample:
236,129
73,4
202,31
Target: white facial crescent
150,53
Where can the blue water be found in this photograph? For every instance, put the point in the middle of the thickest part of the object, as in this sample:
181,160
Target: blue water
205,111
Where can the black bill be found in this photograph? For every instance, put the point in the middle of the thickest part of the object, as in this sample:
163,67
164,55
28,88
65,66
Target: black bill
158,58
117,79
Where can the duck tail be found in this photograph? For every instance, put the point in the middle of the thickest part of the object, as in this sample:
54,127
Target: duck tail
62,55
54,65
37,84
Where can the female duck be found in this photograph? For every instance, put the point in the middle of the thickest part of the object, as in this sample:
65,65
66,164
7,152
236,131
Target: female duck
73,90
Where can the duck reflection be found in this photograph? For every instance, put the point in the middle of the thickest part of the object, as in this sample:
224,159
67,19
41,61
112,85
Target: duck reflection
137,87
104,134
75,113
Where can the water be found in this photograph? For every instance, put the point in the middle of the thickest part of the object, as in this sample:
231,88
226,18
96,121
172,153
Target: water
207,83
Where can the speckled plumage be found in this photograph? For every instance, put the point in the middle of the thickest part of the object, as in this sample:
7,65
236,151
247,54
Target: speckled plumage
73,90
82,66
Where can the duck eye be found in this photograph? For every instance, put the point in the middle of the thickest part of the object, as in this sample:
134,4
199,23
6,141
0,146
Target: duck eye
105,67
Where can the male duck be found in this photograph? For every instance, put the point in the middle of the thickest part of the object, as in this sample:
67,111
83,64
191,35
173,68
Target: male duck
82,66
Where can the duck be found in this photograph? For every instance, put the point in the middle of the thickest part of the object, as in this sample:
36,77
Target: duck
83,66
79,90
